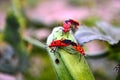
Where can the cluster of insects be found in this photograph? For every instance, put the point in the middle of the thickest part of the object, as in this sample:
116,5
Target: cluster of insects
67,25
117,67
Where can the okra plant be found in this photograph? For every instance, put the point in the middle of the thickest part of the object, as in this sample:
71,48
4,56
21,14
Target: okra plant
68,63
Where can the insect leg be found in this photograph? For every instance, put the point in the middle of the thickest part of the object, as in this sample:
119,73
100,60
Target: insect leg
80,57
53,50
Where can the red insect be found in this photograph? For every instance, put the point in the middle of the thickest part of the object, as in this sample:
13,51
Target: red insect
78,48
67,25
59,43
117,68
73,22
66,42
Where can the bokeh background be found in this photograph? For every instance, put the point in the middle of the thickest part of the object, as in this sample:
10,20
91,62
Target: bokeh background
23,57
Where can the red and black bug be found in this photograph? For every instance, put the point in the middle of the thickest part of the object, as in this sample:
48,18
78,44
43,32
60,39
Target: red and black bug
59,43
67,25
117,68
64,43
78,48
73,22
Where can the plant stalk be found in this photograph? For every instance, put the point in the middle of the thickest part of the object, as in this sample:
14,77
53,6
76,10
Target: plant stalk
66,61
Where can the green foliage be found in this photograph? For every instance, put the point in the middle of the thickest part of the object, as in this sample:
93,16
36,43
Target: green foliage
46,71
118,77
115,52
12,36
11,32
88,3
32,3
90,21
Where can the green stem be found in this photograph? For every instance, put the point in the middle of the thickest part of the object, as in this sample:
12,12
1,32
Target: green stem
68,66
35,42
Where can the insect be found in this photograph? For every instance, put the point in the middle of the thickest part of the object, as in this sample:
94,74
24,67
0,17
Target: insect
68,23
79,49
64,43
59,43
117,68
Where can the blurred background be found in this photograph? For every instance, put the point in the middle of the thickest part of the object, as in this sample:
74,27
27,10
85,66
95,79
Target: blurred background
24,24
